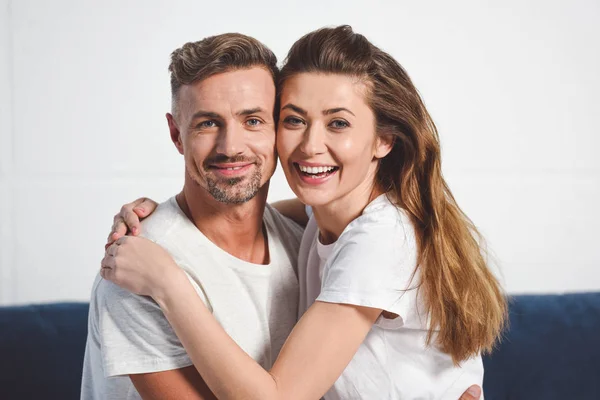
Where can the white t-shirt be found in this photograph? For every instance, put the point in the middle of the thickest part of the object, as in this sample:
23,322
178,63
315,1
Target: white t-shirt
256,304
371,264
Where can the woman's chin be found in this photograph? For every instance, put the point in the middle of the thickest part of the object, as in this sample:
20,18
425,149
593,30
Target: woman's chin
312,197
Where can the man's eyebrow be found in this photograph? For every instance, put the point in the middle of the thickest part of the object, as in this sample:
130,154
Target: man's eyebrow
250,111
206,114
336,110
295,108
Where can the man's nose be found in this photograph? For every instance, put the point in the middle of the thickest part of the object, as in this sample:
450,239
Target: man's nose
231,140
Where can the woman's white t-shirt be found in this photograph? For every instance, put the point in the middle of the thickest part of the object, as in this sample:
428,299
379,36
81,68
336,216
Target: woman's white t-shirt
372,264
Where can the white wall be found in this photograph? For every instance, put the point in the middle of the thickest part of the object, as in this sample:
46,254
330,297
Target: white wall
6,246
84,87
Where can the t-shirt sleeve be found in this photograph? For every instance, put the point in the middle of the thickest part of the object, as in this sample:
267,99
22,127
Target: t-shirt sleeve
372,266
135,336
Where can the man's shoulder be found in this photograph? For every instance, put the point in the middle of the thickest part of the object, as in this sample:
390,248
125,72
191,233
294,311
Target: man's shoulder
167,217
111,298
288,229
132,333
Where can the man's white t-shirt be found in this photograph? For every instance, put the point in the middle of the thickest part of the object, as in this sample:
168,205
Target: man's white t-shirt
256,304
371,264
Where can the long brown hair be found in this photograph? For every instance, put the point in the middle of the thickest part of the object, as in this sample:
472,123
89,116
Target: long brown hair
463,299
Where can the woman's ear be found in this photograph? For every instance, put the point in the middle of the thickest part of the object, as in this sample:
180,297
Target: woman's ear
384,145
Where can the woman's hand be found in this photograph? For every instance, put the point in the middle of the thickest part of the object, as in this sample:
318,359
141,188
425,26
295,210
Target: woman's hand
140,266
128,219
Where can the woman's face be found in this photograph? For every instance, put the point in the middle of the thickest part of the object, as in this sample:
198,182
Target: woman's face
326,138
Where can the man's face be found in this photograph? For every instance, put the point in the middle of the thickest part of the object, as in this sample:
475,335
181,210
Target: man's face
225,130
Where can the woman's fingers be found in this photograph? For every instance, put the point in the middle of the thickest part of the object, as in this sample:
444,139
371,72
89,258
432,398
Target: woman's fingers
130,223
472,393
111,251
145,207
107,267
118,229
128,218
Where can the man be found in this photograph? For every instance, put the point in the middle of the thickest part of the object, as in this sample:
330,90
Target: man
239,253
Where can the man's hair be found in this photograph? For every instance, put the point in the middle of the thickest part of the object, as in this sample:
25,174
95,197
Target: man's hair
196,61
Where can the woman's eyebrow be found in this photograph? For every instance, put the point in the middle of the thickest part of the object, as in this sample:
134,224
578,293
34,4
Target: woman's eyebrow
295,108
336,110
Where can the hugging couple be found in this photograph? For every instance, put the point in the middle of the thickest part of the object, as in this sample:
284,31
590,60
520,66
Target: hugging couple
371,284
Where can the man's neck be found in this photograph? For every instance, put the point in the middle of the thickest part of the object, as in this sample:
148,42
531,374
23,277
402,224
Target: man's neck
235,228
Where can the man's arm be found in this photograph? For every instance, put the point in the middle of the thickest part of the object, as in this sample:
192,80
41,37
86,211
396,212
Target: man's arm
137,341
184,383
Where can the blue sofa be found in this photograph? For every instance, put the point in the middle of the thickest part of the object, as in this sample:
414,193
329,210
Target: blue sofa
551,351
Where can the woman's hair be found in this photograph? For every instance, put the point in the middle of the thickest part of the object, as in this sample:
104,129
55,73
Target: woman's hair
463,299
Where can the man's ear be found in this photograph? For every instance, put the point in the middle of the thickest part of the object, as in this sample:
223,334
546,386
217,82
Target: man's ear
175,132
384,145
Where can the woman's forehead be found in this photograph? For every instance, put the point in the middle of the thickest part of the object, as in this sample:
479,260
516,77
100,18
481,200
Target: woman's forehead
324,91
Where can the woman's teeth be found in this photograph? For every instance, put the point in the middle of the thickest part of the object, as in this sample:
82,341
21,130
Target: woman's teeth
315,170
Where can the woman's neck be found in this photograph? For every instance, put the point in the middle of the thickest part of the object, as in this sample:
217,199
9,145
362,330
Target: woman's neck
332,218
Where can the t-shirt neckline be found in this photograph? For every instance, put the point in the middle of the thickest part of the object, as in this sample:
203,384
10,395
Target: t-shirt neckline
233,260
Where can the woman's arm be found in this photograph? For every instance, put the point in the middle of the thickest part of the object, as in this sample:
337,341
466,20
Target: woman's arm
294,209
127,221
315,354
313,357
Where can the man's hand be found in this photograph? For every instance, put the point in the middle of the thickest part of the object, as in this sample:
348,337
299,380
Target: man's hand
472,393
127,221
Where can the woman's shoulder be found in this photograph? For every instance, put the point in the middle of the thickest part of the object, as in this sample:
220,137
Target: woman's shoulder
377,249
381,220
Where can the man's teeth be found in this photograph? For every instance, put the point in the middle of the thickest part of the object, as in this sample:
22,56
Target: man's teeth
315,170
233,168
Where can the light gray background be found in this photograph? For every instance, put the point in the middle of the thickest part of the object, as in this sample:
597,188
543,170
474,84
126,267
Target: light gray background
512,85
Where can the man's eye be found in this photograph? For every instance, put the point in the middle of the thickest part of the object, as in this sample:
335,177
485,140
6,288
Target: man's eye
339,124
254,122
207,124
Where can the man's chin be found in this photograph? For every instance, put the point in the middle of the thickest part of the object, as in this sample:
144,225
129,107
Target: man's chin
229,196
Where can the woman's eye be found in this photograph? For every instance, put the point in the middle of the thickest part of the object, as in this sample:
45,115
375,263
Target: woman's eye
339,124
293,121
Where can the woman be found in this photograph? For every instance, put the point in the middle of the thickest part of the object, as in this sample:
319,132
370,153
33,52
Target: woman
395,295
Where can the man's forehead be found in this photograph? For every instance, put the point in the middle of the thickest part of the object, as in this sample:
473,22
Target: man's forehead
252,82
230,91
